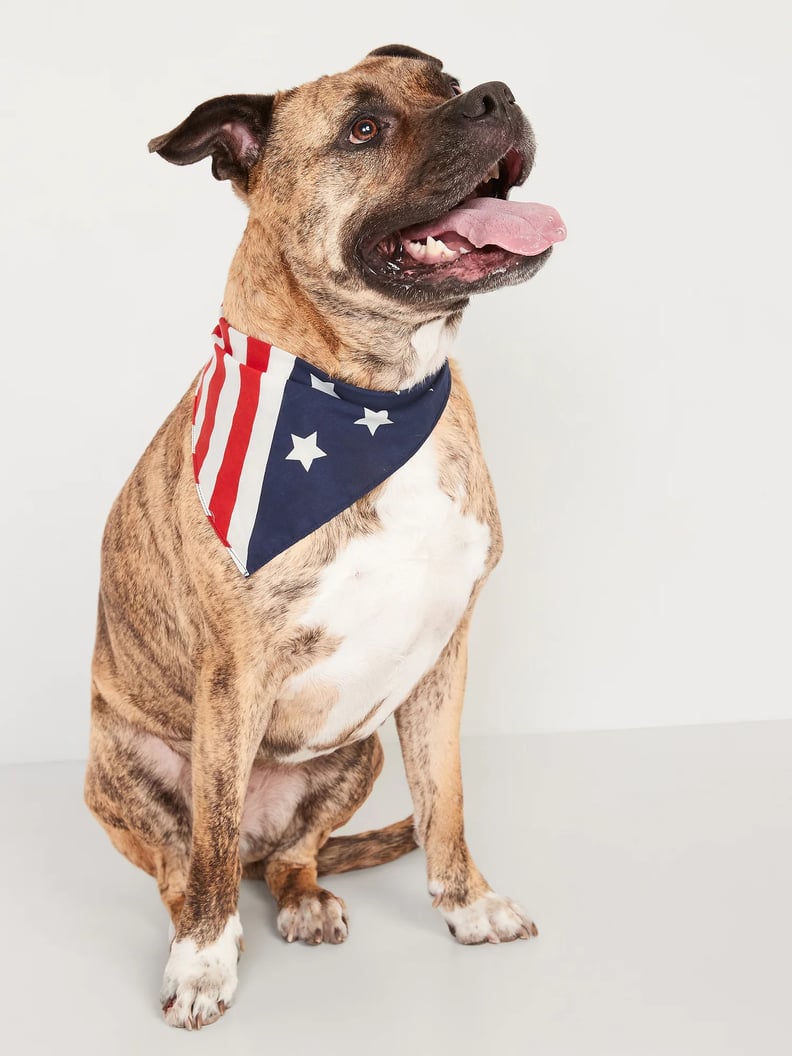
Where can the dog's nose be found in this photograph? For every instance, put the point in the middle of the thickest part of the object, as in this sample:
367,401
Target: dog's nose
494,97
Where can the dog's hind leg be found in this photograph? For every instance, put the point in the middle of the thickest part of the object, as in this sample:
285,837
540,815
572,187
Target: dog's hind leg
306,912
335,787
134,787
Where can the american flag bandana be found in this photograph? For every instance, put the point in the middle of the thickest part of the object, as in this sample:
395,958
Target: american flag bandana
280,448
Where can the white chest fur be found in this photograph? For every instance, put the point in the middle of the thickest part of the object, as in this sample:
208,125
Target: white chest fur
393,599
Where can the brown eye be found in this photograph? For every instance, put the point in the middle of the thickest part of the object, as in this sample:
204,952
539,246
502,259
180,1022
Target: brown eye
363,130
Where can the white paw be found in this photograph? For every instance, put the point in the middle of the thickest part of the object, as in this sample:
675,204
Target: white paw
199,984
314,919
491,918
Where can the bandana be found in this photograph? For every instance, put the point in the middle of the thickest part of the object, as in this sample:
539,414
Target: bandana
280,448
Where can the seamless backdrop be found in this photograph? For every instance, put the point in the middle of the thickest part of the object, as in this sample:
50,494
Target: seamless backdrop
633,399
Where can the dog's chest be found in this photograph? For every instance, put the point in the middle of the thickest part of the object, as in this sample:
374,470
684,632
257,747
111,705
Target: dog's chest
392,601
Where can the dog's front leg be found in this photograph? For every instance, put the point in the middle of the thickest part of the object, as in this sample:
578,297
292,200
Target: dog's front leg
428,724
201,973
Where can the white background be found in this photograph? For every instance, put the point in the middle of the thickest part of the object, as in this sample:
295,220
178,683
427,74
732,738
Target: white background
633,399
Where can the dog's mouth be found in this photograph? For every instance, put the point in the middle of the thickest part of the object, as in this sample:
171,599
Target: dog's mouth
484,235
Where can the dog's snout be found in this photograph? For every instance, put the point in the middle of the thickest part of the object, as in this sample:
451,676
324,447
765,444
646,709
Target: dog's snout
492,98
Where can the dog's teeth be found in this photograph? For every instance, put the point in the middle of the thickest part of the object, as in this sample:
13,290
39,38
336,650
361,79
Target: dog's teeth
433,251
437,250
494,172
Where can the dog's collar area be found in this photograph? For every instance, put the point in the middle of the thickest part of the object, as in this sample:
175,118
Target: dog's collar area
279,448
262,356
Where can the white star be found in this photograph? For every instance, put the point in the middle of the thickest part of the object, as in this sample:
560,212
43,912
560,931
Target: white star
324,386
305,450
374,419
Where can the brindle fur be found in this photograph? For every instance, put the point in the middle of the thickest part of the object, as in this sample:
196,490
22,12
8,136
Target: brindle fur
190,656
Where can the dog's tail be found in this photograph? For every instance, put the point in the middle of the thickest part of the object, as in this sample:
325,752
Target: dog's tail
343,853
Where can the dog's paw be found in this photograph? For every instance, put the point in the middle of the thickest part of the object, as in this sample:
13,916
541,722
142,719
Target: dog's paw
316,917
491,918
199,984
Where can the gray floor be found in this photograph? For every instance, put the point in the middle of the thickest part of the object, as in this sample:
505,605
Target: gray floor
657,864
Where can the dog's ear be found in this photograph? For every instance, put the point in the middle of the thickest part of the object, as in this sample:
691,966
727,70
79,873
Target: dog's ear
403,51
232,128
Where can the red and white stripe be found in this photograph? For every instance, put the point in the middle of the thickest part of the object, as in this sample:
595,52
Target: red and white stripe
236,408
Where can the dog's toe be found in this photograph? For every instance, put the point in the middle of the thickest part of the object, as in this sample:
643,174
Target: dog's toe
491,918
199,984
314,918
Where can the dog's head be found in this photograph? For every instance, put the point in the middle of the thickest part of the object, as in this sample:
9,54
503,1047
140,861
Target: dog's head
387,181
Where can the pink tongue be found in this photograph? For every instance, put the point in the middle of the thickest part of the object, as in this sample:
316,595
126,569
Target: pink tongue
526,228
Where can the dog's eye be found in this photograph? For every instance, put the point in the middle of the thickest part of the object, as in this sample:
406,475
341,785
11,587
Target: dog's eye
363,130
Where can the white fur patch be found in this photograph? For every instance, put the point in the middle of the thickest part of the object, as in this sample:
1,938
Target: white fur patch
491,918
199,984
393,599
431,344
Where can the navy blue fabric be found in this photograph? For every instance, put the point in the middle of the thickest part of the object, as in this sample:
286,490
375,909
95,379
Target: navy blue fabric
295,502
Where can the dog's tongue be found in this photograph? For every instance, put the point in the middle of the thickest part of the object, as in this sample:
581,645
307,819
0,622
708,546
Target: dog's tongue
526,228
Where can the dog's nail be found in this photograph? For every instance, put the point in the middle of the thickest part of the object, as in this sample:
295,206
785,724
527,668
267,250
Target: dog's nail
492,937
534,930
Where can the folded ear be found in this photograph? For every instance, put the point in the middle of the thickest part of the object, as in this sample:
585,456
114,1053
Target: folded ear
403,51
232,128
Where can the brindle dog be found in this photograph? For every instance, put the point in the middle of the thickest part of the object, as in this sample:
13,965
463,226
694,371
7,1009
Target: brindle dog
233,718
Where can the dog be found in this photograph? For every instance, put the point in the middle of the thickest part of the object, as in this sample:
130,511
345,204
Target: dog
240,674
